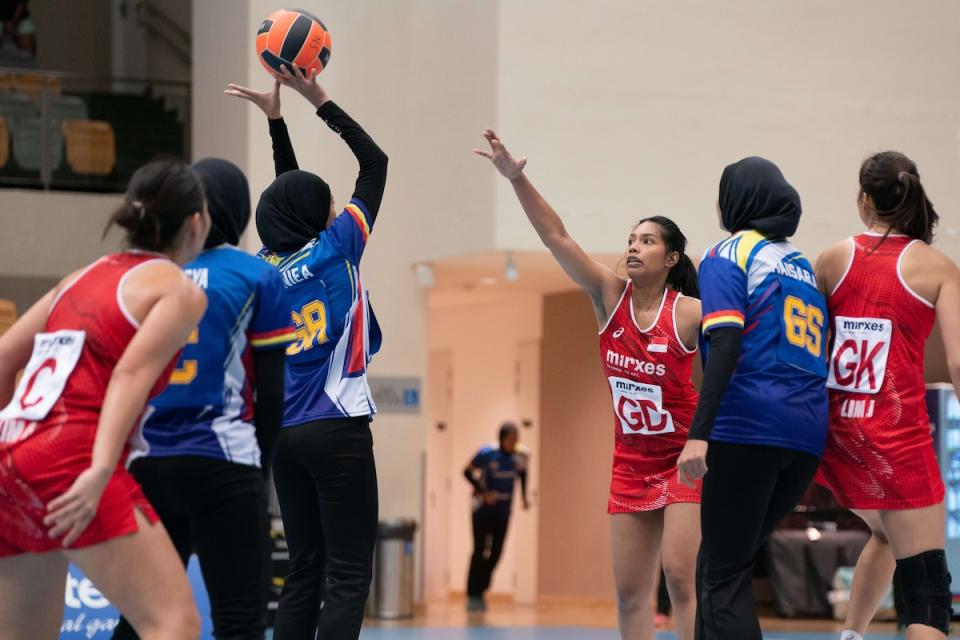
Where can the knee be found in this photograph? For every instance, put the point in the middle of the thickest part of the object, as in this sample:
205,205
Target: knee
880,537
924,582
632,597
681,583
181,621
189,623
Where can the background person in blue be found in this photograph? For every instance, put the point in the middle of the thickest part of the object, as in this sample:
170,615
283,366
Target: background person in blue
215,425
324,470
763,403
492,473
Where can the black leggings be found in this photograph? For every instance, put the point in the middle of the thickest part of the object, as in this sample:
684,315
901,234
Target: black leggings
218,510
327,487
747,491
488,536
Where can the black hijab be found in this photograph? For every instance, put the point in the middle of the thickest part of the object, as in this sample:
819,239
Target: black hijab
228,200
755,195
293,210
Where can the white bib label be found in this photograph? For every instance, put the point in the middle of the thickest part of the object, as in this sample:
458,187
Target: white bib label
860,350
639,407
55,355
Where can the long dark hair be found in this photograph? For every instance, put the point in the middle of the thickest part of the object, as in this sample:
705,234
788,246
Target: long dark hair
160,197
683,275
892,181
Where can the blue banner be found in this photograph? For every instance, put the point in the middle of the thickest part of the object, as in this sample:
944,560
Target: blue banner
87,615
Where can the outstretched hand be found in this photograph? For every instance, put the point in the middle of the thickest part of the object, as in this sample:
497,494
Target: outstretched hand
506,164
308,87
268,101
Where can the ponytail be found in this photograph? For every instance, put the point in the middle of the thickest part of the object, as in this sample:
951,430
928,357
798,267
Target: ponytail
893,183
160,197
683,276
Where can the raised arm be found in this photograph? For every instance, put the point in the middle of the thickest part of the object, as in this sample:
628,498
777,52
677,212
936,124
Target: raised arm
284,159
373,161
600,283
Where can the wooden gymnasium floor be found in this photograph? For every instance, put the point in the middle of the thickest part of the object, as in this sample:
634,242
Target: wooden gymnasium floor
564,620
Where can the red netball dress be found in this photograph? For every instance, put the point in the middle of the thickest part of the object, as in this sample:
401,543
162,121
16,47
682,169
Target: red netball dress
48,429
653,403
879,452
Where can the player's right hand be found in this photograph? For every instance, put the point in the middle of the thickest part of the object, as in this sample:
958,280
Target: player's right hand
692,463
71,512
268,101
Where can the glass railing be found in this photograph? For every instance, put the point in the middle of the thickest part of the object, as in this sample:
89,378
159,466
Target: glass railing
77,132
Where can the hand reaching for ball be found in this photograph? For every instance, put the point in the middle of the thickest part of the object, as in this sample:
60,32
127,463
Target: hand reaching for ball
508,166
308,87
268,101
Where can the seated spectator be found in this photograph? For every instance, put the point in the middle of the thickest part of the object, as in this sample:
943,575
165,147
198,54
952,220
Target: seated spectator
18,26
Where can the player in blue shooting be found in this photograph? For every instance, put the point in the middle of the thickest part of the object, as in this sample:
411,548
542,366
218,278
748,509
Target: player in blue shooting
213,430
324,469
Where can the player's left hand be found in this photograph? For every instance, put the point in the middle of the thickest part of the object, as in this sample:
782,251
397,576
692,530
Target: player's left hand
71,512
308,87
692,463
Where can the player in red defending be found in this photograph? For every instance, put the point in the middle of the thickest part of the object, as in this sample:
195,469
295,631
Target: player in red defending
93,351
885,289
648,339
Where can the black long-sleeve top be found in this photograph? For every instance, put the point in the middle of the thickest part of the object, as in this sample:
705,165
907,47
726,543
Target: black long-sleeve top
373,161
721,365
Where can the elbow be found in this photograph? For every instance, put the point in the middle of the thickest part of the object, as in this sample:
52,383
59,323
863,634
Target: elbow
380,163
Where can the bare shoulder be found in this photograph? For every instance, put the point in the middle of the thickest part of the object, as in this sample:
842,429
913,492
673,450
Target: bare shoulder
689,310
922,258
166,279
613,288
688,316
835,256
930,255
831,264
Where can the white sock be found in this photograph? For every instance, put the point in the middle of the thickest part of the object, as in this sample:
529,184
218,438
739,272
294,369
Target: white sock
848,634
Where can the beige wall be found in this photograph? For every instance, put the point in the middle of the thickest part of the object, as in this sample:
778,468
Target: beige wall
71,36
483,336
576,454
630,108
52,234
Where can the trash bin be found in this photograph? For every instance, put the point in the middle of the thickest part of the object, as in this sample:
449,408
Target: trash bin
391,592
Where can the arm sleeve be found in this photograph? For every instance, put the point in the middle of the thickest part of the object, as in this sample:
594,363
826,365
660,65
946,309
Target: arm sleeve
268,367
373,161
721,364
723,286
283,157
